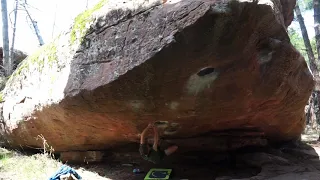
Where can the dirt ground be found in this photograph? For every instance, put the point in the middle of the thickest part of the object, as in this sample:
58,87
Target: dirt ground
287,162
281,163
194,166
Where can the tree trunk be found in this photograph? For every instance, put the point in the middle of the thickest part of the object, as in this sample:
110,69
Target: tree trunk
5,37
313,117
316,9
35,26
306,40
313,66
14,31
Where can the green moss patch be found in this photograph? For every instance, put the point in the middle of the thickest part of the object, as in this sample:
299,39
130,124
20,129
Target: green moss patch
47,54
1,97
79,28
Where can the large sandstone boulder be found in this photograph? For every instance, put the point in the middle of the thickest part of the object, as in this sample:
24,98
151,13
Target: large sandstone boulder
214,74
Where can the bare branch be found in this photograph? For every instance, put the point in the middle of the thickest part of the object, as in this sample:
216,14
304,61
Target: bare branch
35,27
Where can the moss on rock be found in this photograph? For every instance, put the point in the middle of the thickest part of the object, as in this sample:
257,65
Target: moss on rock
1,97
47,54
79,27
51,52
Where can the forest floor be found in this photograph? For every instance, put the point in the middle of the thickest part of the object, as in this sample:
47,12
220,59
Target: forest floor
285,163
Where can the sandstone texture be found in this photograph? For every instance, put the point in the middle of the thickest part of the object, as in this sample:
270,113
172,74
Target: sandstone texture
214,74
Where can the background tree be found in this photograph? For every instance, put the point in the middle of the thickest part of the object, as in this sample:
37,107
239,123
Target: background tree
316,15
306,40
311,111
8,54
7,64
34,24
297,41
14,31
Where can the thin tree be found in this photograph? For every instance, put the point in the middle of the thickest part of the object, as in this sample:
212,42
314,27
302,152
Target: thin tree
316,15
33,22
306,40
313,66
316,9
5,37
14,31
36,29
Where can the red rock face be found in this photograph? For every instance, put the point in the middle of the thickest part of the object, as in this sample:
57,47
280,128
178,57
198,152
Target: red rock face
220,75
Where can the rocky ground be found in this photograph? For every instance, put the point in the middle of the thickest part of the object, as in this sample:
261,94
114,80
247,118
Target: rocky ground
286,162
282,163
264,164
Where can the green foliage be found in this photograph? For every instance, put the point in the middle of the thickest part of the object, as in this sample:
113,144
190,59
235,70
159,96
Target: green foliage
18,166
305,4
297,41
46,54
79,27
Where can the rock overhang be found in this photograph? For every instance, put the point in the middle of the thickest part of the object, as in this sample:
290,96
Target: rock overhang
205,67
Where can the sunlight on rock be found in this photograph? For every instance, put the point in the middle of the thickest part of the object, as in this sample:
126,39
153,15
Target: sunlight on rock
173,1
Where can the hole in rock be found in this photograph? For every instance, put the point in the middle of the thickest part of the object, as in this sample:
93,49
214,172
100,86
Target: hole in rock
159,123
171,130
205,71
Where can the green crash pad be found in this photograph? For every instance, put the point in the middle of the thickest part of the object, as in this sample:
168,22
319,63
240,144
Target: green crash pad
158,174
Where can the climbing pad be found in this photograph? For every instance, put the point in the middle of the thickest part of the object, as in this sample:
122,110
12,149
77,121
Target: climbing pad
158,174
